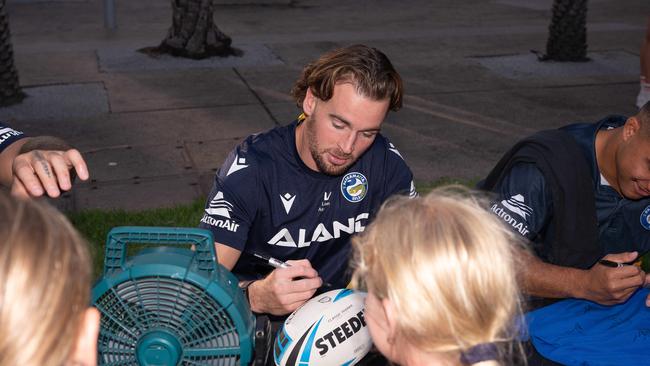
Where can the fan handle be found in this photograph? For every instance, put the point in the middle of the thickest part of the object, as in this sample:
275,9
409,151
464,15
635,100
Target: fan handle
120,236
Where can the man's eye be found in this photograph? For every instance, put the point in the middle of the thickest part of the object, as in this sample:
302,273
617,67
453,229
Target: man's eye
338,125
369,134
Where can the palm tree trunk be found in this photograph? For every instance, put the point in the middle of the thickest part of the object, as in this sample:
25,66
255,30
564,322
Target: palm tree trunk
193,32
567,38
10,92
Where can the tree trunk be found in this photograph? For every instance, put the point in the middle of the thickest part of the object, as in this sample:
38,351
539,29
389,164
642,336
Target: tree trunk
10,92
193,32
567,38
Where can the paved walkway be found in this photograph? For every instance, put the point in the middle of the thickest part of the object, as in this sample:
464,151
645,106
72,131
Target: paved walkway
155,130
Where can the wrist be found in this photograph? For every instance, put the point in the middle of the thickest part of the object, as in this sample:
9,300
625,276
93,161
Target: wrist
248,288
580,287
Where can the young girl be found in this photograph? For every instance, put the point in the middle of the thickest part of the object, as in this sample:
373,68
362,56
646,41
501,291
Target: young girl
441,283
45,275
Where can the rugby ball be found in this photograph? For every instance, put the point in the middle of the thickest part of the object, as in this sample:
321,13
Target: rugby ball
329,329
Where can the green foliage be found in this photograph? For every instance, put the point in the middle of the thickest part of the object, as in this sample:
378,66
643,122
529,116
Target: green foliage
94,225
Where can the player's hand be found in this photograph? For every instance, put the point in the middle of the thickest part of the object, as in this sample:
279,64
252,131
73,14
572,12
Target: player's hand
609,286
284,289
40,172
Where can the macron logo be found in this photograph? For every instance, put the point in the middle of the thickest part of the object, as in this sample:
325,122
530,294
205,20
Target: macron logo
219,206
287,201
237,164
516,205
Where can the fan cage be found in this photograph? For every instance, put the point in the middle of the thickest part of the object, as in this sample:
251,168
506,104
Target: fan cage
130,310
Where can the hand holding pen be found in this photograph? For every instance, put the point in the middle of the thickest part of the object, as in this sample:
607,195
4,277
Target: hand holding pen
613,279
290,285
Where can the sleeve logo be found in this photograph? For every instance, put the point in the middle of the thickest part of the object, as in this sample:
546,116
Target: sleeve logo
516,205
237,164
219,206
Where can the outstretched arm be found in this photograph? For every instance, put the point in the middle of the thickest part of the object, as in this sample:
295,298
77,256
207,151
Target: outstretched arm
41,165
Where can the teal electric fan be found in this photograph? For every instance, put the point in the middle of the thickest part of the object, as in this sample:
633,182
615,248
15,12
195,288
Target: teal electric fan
169,305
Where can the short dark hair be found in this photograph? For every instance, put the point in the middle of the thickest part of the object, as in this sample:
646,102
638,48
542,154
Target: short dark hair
367,68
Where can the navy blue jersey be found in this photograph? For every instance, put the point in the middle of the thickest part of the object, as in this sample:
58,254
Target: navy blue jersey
266,200
8,136
524,201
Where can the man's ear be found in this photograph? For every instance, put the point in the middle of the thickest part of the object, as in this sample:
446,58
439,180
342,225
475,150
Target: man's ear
631,127
309,103
85,350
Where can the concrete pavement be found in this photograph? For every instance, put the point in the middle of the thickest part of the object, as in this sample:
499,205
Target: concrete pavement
154,130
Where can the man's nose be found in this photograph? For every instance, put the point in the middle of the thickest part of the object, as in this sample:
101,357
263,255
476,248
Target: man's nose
347,145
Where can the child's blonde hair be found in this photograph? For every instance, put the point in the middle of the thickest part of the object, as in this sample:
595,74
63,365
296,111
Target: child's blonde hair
447,266
45,279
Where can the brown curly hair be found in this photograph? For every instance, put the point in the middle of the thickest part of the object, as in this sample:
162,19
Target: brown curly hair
366,67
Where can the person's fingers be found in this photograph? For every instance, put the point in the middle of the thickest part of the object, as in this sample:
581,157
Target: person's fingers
647,301
24,172
78,163
61,170
45,174
627,283
646,279
18,189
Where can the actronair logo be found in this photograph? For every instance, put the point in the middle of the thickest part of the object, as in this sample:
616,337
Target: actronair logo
517,205
219,206
520,226
6,133
354,225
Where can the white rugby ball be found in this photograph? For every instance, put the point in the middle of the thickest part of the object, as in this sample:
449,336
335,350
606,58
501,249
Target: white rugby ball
329,329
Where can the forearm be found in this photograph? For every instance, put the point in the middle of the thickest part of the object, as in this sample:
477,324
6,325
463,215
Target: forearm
541,279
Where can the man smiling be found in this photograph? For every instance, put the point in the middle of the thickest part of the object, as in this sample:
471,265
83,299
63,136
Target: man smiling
298,192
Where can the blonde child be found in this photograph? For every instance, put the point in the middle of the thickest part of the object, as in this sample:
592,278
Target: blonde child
441,281
45,275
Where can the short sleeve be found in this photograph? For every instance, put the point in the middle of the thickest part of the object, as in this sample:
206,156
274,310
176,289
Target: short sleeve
523,201
8,136
232,203
399,178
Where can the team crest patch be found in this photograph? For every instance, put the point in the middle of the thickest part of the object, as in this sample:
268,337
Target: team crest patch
645,218
354,187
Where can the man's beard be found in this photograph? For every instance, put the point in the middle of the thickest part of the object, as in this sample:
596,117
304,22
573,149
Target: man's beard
322,165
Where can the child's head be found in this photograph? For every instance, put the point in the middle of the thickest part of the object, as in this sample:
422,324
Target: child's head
45,276
440,276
